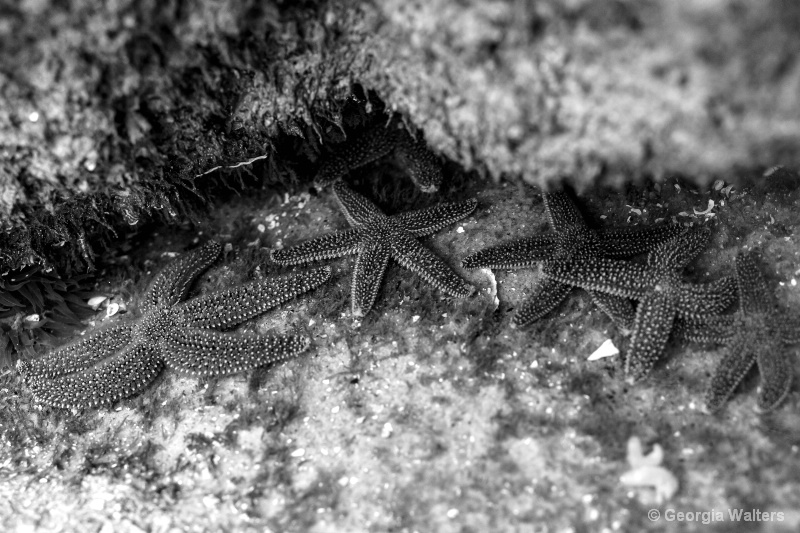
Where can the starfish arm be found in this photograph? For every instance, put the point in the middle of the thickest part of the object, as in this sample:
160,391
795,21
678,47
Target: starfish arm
421,164
562,211
731,370
357,209
711,329
548,295
754,294
333,169
370,146
357,152
430,220
679,251
776,371
621,243
620,310
118,377
82,354
229,307
328,246
651,329
698,300
172,283
619,278
418,259
788,329
205,352
516,254
368,273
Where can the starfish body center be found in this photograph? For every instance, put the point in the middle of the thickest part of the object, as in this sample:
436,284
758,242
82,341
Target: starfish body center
669,284
154,326
574,241
755,320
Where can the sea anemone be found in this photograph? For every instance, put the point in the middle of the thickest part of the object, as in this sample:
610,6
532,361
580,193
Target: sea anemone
36,308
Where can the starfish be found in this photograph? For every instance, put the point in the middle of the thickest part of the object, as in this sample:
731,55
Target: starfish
571,236
376,238
122,359
658,287
754,335
377,142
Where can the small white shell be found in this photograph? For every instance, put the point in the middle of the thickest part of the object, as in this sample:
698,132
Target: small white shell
636,458
95,301
658,478
492,289
708,209
607,349
646,473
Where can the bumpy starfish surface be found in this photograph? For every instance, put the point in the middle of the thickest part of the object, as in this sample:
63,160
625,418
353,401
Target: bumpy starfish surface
658,287
571,236
121,360
376,237
420,163
754,335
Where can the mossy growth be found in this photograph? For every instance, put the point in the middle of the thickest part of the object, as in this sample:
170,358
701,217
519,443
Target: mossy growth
172,99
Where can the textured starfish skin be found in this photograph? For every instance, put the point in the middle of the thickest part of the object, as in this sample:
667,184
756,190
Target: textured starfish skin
376,238
658,287
377,142
571,236
754,336
121,360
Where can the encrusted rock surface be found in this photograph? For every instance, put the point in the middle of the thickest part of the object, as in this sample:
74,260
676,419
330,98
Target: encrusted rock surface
428,414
